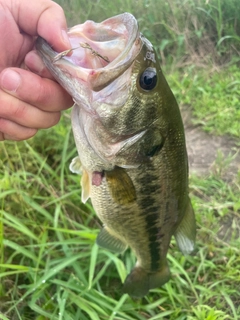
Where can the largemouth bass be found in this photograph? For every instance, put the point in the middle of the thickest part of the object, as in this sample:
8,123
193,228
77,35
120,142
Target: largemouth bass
131,146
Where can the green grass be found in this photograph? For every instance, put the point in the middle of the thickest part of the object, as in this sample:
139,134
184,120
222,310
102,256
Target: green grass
212,96
182,31
192,37
50,266
52,269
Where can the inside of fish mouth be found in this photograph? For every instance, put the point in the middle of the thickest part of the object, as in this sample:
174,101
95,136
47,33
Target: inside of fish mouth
95,48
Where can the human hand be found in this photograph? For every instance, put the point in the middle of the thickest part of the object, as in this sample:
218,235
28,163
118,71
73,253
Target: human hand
29,99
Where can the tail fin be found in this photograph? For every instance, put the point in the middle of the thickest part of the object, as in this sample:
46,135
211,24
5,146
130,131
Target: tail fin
138,282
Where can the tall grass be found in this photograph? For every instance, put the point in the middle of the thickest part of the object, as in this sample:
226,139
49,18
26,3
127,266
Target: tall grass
183,31
50,267
212,95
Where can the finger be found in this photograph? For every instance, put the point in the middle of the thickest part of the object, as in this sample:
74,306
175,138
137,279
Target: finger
12,131
43,93
36,65
45,18
24,114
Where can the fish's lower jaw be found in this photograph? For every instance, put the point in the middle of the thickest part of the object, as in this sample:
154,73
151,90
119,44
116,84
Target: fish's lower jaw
139,281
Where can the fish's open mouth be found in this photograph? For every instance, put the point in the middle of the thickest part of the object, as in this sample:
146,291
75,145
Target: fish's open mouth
101,52
95,45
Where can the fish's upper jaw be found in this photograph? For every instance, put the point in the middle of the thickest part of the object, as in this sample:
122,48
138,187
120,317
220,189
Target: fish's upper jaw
101,52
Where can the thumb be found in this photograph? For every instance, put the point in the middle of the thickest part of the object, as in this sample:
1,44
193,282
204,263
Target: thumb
45,18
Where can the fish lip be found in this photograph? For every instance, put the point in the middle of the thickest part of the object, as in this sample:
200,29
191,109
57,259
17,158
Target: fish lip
93,79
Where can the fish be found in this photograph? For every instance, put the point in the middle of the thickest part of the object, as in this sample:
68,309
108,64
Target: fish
131,146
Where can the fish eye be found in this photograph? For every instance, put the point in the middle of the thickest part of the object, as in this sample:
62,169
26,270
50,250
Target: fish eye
148,79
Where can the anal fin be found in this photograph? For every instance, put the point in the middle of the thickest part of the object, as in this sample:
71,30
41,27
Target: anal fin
120,186
108,241
185,233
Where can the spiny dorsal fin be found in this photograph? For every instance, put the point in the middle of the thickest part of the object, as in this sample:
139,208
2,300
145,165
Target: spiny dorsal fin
120,186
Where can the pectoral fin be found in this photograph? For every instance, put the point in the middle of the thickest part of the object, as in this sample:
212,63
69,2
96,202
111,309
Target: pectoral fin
186,231
108,241
76,166
120,186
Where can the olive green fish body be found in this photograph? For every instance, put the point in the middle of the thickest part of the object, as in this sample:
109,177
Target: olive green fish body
147,224
131,146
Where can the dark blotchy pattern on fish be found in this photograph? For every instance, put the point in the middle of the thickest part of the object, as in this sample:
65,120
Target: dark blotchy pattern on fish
128,120
150,213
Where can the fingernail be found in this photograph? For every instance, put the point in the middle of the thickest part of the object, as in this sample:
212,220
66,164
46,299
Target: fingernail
10,80
66,38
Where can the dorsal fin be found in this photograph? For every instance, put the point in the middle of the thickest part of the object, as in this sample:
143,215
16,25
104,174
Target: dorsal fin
186,231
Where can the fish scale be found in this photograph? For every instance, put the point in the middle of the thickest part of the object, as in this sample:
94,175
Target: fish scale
131,146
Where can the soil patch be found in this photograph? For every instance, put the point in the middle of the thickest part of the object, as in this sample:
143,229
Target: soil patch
208,153
214,154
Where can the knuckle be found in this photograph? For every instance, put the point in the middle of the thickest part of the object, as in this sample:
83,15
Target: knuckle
41,95
20,110
50,96
45,94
